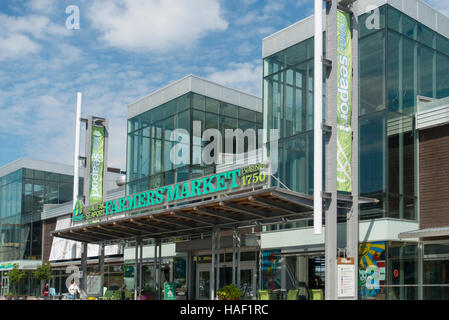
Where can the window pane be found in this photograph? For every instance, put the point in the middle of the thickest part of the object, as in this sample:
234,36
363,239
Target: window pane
426,58
372,73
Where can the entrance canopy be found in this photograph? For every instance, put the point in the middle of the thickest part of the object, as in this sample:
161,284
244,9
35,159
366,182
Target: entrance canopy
226,211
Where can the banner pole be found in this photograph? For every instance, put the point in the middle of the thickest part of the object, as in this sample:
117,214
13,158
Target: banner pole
77,149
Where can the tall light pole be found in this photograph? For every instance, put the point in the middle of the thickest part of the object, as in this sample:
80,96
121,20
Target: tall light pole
77,149
318,119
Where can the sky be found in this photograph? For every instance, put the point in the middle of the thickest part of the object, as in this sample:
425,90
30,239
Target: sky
123,50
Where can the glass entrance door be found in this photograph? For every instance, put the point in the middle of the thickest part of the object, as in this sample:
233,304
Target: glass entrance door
247,280
5,285
203,285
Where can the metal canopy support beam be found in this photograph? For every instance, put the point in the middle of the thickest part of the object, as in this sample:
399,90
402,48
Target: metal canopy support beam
159,270
152,225
189,292
84,270
239,239
246,209
217,215
136,273
197,219
212,268
155,267
218,238
234,242
331,153
101,265
140,266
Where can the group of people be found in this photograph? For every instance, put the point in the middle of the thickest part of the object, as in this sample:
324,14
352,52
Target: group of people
73,291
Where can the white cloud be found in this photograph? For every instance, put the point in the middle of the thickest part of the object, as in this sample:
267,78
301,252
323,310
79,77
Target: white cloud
20,36
16,46
246,77
39,27
44,6
146,25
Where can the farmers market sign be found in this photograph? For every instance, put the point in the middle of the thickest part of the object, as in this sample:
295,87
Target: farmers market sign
184,191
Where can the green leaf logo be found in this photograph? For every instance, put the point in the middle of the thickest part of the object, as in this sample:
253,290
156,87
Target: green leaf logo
78,213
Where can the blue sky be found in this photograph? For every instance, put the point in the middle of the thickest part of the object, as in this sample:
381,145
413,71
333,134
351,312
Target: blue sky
124,49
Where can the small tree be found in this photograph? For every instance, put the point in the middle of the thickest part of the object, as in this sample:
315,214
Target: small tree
15,276
43,272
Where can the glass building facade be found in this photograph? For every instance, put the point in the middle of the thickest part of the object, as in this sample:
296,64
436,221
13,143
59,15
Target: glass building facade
22,196
149,162
399,61
288,107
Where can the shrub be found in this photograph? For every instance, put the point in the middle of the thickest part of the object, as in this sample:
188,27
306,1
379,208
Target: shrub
230,292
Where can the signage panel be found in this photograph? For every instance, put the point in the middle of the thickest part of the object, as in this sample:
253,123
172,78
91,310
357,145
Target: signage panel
96,165
346,277
194,189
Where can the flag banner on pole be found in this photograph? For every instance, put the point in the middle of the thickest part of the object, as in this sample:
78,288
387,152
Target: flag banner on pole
96,165
344,102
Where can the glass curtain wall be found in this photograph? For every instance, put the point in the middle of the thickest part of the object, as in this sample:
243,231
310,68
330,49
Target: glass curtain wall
288,107
398,61
22,196
151,149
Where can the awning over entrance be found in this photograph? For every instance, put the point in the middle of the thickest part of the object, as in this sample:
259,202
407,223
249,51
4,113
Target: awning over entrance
241,209
423,233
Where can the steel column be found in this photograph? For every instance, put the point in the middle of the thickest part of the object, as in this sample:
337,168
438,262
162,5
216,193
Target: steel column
83,290
155,268
212,269
218,238
140,266
331,153
101,265
159,270
136,273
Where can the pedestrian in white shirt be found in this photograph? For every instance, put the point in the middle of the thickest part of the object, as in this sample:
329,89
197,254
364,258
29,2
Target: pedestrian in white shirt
74,290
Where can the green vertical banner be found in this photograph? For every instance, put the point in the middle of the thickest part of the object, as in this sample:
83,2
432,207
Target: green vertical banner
96,165
344,102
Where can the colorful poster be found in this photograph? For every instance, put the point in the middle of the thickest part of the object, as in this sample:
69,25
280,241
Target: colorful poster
271,269
96,166
344,102
371,269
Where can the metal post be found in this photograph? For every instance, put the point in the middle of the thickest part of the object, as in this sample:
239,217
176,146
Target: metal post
84,270
189,275
331,153
155,268
141,267
420,270
101,265
318,118
238,257
159,270
77,149
136,272
233,257
218,259
212,269
352,235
